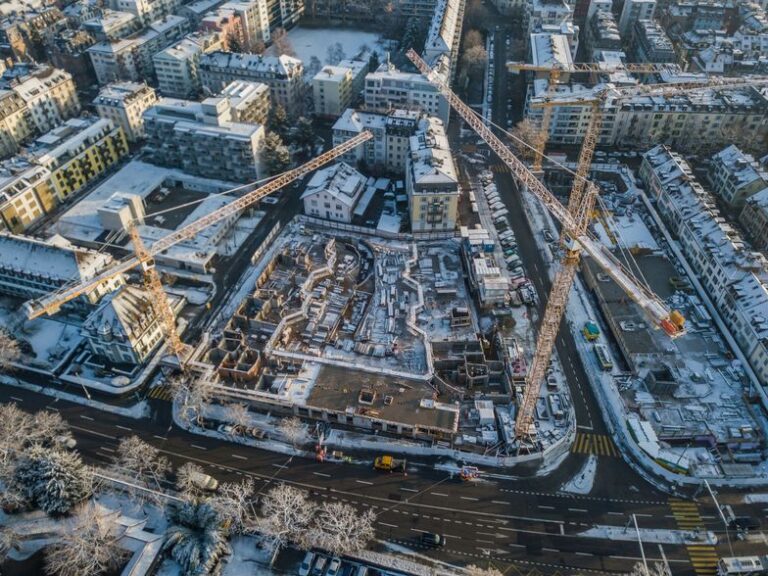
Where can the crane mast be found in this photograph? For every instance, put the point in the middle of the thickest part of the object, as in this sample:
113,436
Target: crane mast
51,303
575,227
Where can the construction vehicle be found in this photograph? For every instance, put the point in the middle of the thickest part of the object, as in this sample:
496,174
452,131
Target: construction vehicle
591,331
52,303
387,463
574,220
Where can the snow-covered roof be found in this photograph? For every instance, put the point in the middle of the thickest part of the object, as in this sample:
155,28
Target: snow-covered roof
282,66
741,167
430,160
551,50
354,121
333,73
63,143
120,93
443,28
340,180
123,314
60,262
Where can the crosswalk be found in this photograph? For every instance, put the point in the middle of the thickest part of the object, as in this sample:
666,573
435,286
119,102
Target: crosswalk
597,444
161,393
687,516
500,168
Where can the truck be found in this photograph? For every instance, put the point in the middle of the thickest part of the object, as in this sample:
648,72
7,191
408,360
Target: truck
388,463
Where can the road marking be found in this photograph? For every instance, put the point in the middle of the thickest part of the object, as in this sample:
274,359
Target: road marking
499,502
84,417
106,449
418,530
390,525
364,482
323,474
584,554
439,494
239,457
16,398
582,510
123,427
471,498
95,433
485,541
516,545
281,466
163,438
550,550
198,447
546,507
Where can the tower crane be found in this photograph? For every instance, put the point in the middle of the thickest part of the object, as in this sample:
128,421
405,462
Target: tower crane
52,303
574,220
555,72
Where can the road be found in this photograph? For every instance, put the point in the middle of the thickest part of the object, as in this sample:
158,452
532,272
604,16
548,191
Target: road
524,522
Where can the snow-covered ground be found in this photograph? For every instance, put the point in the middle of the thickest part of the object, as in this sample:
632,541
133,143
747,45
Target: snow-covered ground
8,6
308,42
582,482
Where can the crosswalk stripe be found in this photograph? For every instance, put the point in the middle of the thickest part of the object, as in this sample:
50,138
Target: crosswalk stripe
597,444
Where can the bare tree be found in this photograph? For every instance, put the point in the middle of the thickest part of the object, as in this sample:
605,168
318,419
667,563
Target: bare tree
9,540
185,478
286,513
341,528
656,569
473,38
282,44
195,395
238,414
10,352
141,461
525,136
292,430
233,503
16,426
473,570
90,547
49,428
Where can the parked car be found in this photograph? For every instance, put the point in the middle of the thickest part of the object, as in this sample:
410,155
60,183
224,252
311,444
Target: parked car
320,564
548,236
306,564
269,200
333,567
432,539
256,433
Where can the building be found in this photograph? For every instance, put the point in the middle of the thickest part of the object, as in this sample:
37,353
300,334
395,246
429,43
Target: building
754,219
359,69
650,43
542,13
444,34
15,126
148,10
248,101
32,268
602,33
69,51
550,50
389,89
332,91
49,95
283,75
79,152
254,20
130,58
26,195
735,176
390,146
732,274
332,192
201,138
124,104
634,10
486,281
111,25
176,67
124,329
431,179
718,117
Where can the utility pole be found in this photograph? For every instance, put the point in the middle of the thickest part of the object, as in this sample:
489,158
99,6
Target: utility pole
667,568
720,512
640,542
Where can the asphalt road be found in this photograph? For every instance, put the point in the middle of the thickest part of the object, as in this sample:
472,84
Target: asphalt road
510,521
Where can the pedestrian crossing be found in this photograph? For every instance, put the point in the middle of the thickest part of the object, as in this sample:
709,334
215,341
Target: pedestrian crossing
597,444
687,516
163,392
500,168
703,559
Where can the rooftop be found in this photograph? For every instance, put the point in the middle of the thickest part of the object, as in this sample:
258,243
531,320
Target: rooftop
430,159
551,50
340,180
267,65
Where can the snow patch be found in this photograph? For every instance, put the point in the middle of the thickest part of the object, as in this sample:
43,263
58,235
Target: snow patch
582,482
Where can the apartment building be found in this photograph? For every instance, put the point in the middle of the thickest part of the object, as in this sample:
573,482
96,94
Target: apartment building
248,101
431,179
333,192
390,146
444,34
718,117
196,10
332,91
283,75
130,58
15,126
389,89
32,268
49,95
547,13
111,25
602,33
254,19
79,152
634,10
754,219
177,67
650,43
735,176
201,139
68,51
124,104
26,195
148,10
124,329
733,275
